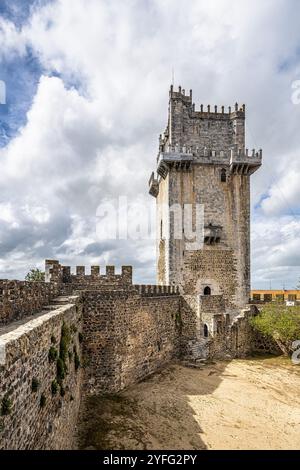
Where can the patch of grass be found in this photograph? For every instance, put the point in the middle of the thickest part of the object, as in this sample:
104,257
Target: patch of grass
178,320
60,370
54,387
52,354
64,342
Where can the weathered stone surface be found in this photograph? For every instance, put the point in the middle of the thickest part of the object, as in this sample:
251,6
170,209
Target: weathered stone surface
127,336
23,357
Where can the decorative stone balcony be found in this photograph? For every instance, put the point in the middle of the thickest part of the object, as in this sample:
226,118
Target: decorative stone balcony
241,163
212,234
153,185
172,159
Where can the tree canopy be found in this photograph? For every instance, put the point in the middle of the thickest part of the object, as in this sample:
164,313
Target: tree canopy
35,274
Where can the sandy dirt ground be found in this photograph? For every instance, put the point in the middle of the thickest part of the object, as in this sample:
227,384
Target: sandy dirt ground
242,404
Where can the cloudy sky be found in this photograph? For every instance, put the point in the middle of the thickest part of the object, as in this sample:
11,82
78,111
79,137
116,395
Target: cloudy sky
87,92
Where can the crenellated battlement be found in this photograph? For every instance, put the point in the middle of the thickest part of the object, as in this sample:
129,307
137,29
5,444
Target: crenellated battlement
156,290
211,111
194,150
180,94
95,272
55,272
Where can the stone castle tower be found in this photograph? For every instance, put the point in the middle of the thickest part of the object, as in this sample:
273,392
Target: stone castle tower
202,160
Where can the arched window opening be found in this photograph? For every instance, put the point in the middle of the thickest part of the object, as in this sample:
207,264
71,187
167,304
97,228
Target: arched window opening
205,330
223,176
207,290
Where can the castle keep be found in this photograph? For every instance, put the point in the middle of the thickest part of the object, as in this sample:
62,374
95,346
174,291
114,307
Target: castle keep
202,160
81,333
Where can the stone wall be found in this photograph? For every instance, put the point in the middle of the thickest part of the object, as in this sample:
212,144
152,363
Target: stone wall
36,412
223,266
19,299
128,335
237,339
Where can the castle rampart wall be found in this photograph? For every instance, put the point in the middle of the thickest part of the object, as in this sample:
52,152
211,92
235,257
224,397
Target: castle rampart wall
128,336
32,416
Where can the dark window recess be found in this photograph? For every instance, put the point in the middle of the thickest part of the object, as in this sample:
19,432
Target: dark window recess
256,297
207,290
205,331
223,176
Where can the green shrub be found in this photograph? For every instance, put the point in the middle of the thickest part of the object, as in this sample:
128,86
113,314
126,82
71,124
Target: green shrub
52,355
6,405
64,342
280,323
54,387
34,384
43,400
178,321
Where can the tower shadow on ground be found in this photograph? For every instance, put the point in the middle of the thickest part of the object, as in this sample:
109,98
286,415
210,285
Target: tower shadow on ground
154,414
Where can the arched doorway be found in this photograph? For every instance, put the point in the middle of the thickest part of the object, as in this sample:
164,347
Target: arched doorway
205,330
207,290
